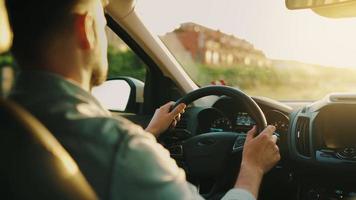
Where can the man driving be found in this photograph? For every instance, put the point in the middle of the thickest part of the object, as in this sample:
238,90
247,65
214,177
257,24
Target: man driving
61,48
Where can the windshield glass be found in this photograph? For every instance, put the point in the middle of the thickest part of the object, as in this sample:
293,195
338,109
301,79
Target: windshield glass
258,46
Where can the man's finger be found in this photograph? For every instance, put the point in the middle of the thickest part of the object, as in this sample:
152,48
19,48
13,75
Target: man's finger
250,134
173,124
177,110
269,130
274,138
178,117
276,148
167,106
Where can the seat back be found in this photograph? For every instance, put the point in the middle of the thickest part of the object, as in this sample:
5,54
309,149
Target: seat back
33,163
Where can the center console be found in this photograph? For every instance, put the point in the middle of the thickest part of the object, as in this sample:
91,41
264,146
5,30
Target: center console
327,191
322,141
334,131
325,133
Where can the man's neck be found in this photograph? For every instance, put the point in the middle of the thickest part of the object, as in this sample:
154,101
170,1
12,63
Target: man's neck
80,78
85,85
68,61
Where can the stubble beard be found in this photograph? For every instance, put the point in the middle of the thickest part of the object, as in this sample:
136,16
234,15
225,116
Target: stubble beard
99,76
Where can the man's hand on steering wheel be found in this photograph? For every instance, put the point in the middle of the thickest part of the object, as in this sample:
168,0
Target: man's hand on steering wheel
259,155
261,151
164,118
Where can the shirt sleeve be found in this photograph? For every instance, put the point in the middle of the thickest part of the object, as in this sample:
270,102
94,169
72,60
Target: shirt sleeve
144,170
238,194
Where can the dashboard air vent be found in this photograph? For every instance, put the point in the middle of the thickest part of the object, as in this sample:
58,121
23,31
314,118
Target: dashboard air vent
302,136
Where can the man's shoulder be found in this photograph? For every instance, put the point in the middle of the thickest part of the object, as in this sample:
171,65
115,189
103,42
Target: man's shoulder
89,119
76,115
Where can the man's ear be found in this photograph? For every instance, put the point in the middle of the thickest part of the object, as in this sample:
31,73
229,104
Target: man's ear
84,28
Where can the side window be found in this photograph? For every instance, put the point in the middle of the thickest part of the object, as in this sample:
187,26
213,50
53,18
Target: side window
122,60
123,91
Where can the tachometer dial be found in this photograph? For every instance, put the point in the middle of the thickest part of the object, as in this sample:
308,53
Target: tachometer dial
221,124
278,119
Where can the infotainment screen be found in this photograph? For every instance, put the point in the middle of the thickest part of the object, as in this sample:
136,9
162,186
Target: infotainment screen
337,124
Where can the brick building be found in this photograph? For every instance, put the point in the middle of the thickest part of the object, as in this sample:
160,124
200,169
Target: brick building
212,47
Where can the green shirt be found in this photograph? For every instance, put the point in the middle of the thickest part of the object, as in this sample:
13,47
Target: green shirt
119,159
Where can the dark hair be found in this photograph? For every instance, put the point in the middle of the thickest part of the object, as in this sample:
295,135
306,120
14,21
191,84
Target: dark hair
34,23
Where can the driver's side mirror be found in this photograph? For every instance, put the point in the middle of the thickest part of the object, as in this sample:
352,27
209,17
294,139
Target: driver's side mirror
123,94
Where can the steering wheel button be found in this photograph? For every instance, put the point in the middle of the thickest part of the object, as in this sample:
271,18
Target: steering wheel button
239,143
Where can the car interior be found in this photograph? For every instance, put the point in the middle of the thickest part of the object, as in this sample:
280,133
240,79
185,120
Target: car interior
316,138
36,165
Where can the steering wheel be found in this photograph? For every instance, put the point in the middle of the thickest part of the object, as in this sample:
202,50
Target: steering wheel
206,155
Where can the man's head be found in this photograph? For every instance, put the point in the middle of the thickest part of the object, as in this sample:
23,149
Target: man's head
62,36
5,32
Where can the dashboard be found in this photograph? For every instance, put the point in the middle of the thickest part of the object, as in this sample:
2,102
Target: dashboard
213,120
224,116
317,141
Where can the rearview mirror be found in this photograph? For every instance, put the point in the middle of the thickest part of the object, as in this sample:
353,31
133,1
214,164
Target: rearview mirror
300,4
326,8
122,94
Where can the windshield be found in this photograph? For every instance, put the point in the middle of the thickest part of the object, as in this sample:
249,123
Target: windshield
258,46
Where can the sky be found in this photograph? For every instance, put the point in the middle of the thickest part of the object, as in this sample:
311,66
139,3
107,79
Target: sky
281,33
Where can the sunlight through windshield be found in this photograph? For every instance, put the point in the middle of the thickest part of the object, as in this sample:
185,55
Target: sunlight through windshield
258,46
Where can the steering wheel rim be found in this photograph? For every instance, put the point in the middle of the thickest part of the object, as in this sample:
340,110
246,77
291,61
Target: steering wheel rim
252,108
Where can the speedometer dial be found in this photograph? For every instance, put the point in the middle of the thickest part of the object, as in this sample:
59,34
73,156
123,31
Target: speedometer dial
221,124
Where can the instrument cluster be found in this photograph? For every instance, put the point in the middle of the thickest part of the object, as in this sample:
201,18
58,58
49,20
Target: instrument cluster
214,120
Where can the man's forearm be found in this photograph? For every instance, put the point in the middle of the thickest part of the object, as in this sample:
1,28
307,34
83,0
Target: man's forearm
150,130
249,179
